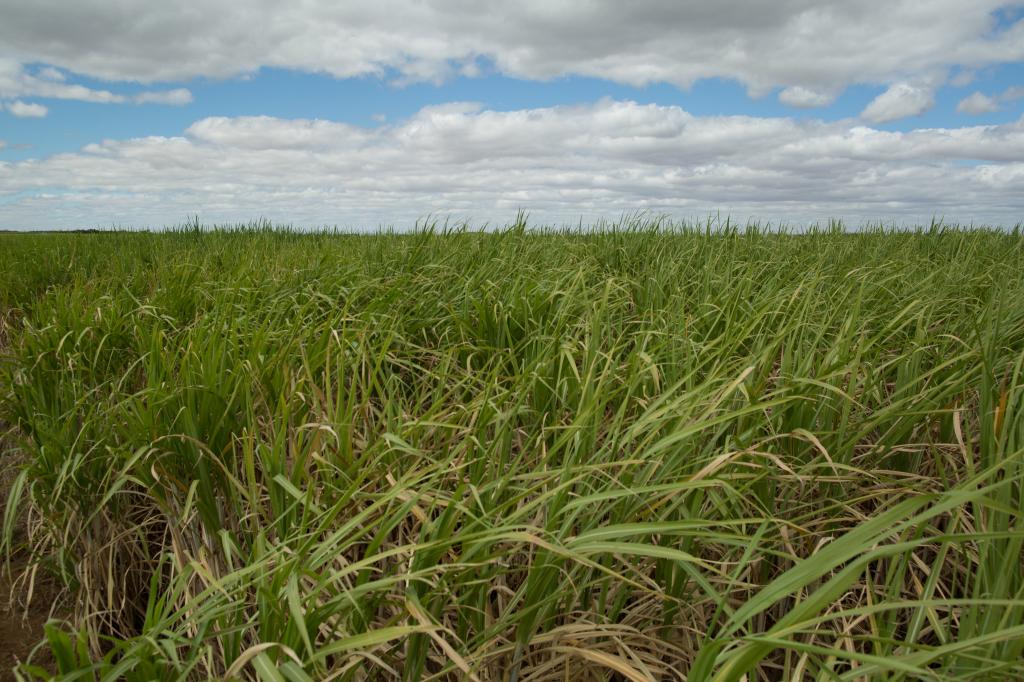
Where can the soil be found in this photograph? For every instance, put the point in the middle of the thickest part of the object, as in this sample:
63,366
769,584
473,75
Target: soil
20,628
21,623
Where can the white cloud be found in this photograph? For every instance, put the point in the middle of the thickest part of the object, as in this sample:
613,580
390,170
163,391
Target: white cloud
26,109
266,132
963,78
176,97
3,143
899,101
1012,93
559,163
818,45
977,103
51,74
16,81
805,98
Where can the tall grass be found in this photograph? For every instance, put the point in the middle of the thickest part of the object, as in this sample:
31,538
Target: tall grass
649,452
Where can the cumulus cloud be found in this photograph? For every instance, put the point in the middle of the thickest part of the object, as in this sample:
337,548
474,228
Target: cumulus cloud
899,101
17,81
26,109
267,133
51,74
817,45
1012,93
977,103
980,103
963,78
805,98
560,163
176,97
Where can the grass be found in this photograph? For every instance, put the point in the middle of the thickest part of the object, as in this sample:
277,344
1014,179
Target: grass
649,452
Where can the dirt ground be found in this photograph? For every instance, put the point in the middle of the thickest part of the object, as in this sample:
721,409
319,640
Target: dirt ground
21,624
21,629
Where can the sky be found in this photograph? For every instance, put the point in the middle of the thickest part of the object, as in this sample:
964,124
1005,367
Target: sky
125,113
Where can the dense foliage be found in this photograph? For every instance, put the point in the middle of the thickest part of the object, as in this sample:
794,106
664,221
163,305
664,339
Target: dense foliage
645,452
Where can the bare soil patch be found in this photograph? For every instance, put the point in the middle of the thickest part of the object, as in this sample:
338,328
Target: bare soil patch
21,625
21,619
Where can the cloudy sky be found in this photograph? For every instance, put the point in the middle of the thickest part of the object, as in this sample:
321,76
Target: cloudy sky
314,113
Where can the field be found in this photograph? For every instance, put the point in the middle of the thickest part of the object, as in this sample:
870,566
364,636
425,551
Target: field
648,452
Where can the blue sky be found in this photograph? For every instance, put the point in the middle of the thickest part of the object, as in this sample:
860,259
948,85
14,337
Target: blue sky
673,108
